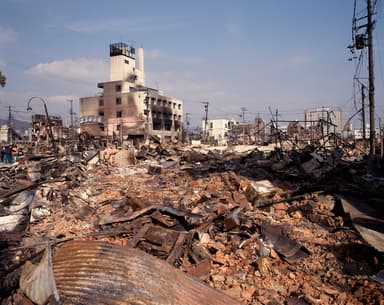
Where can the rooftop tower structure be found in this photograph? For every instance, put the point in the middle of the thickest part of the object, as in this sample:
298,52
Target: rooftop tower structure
123,66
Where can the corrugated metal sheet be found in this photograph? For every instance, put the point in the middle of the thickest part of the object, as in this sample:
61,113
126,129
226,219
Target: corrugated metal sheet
367,217
93,272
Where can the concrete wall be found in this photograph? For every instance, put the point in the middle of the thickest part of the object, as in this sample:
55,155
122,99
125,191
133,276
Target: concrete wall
89,106
4,134
217,129
121,68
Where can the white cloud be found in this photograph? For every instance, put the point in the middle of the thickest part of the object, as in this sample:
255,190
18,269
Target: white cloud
152,54
7,35
300,59
86,70
233,28
157,54
63,99
184,86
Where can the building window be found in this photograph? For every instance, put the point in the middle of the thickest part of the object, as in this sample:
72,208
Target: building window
211,125
119,114
118,126
126,61
118,88
101,113
101,102
118,101
174,105
102,127
179,106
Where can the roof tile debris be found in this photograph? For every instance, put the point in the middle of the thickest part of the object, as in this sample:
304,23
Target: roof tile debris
192,225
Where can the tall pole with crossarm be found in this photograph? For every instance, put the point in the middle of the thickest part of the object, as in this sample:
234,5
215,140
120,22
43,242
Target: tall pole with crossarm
371,94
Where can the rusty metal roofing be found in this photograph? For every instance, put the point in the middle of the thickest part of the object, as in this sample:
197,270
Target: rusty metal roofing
367,217
93,272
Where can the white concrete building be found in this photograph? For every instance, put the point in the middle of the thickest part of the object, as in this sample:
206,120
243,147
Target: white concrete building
218,129
4,134
358,133
332,120
126,107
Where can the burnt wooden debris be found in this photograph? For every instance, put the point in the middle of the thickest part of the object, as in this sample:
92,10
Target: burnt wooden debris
192,225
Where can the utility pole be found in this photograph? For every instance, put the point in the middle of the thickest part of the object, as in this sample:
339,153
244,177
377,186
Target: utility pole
372,132
381,140
206,104
243,109
146,111
71,114
360,41
363,112
10,133
187,122
277,126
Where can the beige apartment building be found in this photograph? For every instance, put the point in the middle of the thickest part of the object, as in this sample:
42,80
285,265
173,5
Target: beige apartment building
126,108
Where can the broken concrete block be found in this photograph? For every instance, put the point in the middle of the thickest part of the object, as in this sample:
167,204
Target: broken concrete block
125,157
257,189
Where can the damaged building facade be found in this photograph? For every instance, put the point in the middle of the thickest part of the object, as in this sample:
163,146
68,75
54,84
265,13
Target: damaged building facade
229,131
39,127
126,108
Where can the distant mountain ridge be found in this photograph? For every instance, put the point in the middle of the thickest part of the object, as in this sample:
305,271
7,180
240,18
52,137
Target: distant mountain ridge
17,125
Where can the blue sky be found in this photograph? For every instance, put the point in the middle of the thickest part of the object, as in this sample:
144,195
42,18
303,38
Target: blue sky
285,54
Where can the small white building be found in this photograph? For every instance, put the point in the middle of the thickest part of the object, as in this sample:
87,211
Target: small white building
218,129
4,134
358,133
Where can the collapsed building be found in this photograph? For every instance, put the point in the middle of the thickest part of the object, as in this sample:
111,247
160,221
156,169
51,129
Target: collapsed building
126,108
40,127
184,225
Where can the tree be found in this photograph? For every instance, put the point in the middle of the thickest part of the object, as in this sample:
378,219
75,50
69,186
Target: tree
2,79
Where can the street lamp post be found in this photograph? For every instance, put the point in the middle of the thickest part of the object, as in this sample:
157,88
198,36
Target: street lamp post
50,133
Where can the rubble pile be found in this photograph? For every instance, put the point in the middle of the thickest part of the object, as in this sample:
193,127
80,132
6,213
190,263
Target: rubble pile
190,226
